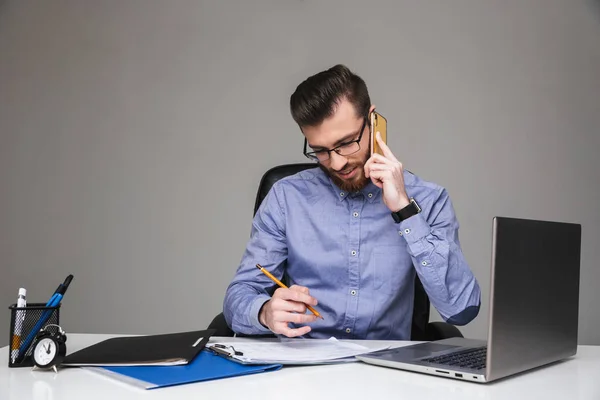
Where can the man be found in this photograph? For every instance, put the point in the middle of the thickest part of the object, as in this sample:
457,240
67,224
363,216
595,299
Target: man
348,234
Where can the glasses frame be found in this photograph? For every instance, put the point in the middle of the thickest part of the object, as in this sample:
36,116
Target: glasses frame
312,154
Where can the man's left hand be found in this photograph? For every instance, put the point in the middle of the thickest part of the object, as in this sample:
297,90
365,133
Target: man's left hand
387,173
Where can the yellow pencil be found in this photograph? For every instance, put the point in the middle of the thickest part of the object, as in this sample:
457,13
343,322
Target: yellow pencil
278,282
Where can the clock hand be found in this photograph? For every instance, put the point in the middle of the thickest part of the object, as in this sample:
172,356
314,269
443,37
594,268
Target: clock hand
48,349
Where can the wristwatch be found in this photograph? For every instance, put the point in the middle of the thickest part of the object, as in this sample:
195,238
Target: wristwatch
411,209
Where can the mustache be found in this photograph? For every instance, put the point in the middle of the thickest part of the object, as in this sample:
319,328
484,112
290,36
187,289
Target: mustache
347,168
345,171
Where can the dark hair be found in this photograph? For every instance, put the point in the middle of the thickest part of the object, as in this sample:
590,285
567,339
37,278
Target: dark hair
315,99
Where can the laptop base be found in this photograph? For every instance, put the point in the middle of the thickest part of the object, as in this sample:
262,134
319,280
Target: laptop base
410,358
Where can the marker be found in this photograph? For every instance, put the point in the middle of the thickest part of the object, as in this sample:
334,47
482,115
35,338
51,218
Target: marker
19,318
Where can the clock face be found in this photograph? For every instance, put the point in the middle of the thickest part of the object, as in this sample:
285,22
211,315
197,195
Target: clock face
45,351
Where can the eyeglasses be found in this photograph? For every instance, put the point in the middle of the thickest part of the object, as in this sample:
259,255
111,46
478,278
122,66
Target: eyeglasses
344,149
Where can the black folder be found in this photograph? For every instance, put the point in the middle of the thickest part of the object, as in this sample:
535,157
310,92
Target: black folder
167,349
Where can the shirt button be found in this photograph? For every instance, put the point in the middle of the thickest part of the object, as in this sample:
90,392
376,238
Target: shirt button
353,252
355,214
370,195
407,231
348,330
353,292
424,263
400,233
342,194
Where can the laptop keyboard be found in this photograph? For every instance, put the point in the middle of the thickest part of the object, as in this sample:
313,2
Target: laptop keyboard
472,358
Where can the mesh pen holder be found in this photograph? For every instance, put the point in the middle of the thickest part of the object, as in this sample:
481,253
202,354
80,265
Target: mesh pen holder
26,320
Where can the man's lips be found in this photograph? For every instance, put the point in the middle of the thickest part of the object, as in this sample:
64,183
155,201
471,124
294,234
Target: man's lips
348,174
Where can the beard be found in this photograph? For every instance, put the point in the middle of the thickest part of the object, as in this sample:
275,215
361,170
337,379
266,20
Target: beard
354,184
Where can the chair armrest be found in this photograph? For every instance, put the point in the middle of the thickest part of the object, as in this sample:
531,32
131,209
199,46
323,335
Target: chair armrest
442,330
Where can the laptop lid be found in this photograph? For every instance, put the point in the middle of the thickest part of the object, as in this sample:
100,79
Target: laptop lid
534,294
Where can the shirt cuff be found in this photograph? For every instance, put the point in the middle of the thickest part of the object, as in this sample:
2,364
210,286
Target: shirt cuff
414,229
254,310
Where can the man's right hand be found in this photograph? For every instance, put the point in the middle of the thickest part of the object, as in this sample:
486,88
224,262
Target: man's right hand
285,306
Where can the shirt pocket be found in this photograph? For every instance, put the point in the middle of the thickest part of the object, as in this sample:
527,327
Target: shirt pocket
391,264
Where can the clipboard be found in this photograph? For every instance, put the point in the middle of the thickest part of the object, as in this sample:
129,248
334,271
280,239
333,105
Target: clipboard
291,351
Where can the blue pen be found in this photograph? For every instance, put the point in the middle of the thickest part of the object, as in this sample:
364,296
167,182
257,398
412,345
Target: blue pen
53,302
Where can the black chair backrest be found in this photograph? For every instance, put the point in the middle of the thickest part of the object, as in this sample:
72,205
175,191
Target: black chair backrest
421,304
275,174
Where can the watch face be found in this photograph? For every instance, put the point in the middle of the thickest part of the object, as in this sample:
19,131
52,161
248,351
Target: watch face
45,351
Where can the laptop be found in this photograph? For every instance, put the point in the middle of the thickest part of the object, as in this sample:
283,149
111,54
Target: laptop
533,311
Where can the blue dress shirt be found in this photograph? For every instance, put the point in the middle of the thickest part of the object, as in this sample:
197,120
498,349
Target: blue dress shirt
357,262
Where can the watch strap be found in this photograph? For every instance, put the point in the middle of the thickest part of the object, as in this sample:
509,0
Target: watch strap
411,209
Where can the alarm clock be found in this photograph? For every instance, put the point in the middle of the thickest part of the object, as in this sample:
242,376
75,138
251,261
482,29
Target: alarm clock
49,348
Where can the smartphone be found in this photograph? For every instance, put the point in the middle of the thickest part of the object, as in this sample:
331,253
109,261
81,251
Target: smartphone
378,124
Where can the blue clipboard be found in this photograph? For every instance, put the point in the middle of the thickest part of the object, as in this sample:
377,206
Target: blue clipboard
206,366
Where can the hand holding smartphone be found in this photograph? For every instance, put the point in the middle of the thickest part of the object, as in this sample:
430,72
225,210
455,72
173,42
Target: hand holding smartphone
378,124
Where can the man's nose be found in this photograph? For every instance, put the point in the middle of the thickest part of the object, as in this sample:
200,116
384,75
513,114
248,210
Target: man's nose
336,161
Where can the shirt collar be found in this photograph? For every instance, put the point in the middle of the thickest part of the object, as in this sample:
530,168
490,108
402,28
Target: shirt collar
370,192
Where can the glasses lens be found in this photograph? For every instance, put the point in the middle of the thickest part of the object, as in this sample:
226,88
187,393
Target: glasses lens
322,156
348,149
313,156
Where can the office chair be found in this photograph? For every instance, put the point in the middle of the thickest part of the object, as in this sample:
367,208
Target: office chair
421,328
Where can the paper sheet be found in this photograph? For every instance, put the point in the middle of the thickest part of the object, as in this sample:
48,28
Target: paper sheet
298,351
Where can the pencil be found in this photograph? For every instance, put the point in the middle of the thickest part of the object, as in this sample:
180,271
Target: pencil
278,282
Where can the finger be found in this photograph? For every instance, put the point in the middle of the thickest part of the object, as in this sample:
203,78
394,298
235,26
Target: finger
367,166
381,174
375,159
377,183
301,289
381,167
288,305
379,159
289,332
301,318
384,147
298,296
377,179
284,316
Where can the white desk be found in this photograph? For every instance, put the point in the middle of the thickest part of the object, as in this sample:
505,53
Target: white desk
576,378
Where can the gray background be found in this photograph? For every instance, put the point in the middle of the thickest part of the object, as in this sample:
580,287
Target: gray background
133,135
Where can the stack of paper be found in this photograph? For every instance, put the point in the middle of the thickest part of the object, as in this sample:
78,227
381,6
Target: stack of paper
292,351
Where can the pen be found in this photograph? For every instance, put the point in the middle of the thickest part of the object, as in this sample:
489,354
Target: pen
53,302
278,282
19,318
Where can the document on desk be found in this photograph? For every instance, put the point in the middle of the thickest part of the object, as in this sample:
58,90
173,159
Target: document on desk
292,351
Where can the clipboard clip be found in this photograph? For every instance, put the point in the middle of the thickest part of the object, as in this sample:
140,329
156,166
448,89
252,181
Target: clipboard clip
227,351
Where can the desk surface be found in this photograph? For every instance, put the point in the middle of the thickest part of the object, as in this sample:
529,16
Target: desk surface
575,378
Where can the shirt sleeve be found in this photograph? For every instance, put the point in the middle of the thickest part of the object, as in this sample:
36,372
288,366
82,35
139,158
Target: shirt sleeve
250,288
433,244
